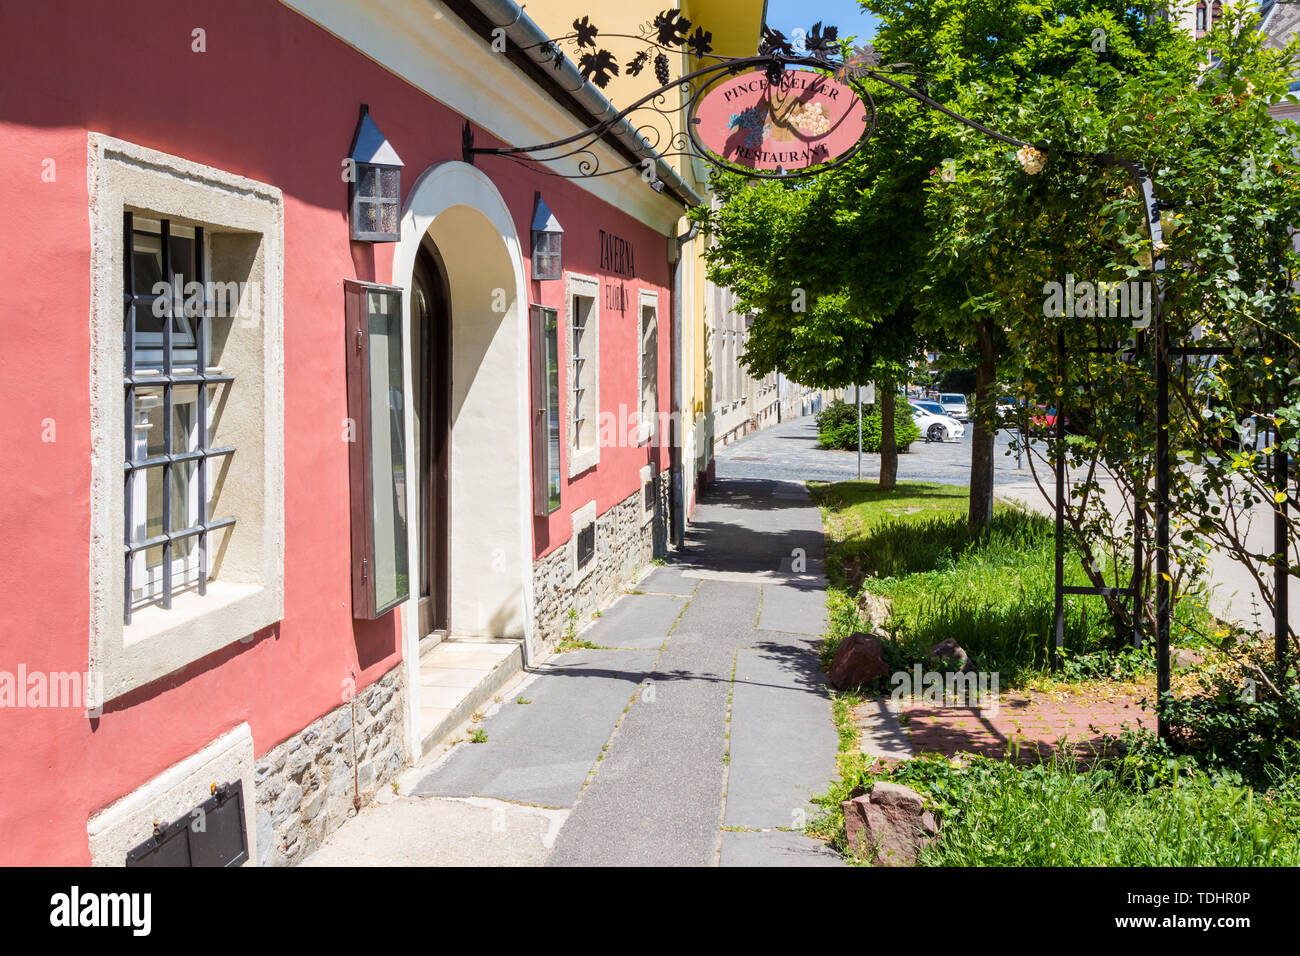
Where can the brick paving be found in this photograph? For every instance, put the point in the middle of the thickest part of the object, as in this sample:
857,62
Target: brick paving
1029,725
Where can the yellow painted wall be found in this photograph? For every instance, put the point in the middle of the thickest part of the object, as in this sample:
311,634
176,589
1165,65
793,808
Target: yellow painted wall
735,26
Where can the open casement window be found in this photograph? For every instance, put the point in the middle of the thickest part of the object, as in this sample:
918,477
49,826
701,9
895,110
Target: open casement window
546,409
377,410
648,363
170,387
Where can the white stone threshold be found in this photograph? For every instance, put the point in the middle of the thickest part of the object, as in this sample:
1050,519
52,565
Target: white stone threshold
459,676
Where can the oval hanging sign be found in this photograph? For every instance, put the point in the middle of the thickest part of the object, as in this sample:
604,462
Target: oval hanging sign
806,119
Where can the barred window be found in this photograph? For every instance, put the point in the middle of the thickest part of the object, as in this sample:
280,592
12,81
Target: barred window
578,378
170,387
583,386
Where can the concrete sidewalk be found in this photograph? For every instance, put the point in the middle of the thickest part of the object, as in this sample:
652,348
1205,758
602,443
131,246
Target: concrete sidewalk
693,733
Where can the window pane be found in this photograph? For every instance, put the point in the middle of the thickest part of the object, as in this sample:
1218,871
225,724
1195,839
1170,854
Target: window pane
649,364
389,181
148,422
184,415
151,478
552,358
367,181
369,216
184,486
147,260
387,453
546,400
182,263
388,218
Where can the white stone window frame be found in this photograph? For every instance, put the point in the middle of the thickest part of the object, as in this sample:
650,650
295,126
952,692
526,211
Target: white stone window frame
123,177
580,518
647,428
583,457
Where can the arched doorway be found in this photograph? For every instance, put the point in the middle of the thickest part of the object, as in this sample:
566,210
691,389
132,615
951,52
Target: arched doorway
459,253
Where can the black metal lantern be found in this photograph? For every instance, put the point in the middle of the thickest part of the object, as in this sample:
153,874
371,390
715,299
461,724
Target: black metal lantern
376,193
548,261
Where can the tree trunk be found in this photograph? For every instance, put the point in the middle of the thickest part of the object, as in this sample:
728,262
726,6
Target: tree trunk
981,452
888,447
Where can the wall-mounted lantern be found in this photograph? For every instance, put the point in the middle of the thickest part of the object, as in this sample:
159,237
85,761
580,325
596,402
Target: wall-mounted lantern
548,262
376,193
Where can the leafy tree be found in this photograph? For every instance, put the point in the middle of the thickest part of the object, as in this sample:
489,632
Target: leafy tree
1008,224
938,232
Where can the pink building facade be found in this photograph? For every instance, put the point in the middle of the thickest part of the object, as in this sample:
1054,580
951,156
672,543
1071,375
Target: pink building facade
362,448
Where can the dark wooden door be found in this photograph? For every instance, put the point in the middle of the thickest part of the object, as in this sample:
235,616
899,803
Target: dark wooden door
431,321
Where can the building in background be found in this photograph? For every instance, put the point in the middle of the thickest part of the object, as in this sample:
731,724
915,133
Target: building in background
1279,23
734,27
742,403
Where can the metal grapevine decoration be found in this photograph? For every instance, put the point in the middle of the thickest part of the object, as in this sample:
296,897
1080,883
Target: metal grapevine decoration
812,88
806,109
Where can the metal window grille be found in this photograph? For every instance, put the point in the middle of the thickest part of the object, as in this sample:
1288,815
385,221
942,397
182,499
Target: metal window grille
586,544
649,362
136,467
579,327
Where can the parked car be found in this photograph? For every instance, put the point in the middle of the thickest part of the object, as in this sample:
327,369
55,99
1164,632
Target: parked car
955,406
936,427
929,405
1044,418
1008,404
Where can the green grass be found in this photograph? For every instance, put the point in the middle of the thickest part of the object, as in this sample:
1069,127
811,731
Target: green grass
991,590
995,813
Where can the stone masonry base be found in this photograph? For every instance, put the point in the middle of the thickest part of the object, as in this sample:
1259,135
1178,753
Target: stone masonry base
308,785
627,540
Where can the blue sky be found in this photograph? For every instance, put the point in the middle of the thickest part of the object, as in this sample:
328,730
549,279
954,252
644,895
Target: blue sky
785,15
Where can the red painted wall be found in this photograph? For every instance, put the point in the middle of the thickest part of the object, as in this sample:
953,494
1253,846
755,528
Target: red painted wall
273,98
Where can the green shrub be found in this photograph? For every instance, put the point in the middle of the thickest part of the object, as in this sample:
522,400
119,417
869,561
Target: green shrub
1239,727
837,427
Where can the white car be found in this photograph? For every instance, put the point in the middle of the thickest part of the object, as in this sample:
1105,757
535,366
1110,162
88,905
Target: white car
955,406
937,427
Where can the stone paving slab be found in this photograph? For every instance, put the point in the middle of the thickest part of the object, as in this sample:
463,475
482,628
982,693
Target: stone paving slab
783,739
794,610
667,580
637,621
657,797
433,832
775,848
882,735
541,753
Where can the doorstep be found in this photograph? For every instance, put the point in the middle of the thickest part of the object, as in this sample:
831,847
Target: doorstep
457,677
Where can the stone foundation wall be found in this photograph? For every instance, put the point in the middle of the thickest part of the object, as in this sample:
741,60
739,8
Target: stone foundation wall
626,543
308,785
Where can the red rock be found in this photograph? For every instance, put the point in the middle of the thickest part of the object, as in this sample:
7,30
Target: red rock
890,826
858,660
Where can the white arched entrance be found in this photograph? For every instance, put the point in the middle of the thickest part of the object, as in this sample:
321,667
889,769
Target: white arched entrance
490,577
